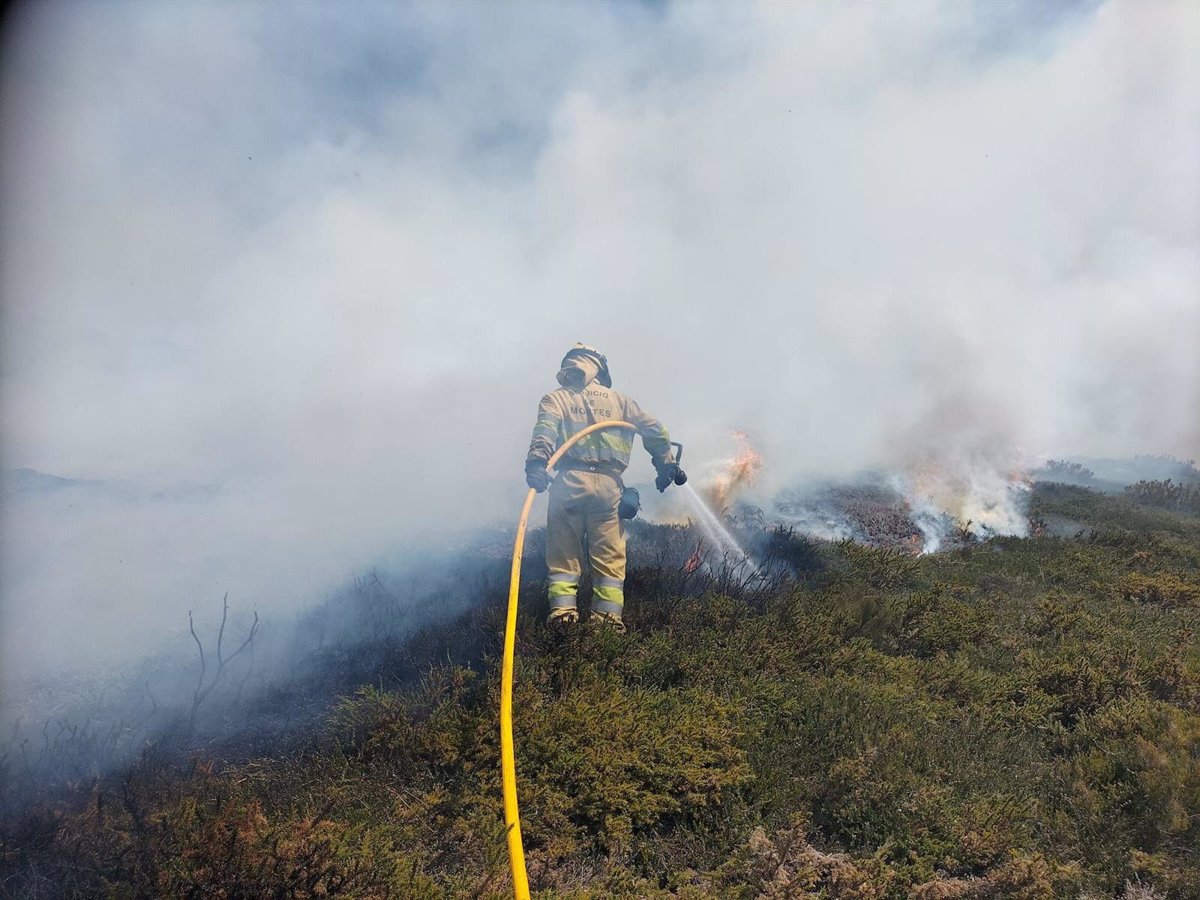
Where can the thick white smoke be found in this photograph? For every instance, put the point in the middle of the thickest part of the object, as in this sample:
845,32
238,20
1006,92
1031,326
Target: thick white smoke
292,277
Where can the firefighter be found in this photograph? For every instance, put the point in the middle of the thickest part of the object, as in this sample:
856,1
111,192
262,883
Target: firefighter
587,491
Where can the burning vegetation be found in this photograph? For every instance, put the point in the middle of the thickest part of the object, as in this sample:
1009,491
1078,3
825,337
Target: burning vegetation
735,475
933,504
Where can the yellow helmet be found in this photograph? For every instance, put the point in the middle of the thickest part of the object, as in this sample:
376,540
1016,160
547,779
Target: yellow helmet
600,359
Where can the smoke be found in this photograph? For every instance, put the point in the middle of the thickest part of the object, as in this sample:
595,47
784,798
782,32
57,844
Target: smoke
292,278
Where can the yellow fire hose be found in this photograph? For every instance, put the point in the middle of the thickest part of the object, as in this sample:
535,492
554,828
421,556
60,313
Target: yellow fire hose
508,763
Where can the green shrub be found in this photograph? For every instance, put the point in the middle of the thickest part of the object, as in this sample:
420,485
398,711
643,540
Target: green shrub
1164,589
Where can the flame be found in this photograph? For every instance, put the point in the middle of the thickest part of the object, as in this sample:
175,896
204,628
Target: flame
694,561
737,473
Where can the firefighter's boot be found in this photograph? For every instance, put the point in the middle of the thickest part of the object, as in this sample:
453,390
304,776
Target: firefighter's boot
608,620
562,617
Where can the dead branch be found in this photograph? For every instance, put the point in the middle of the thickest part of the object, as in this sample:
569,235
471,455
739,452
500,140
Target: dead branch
203,688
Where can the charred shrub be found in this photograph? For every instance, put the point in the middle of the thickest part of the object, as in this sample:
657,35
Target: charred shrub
797,553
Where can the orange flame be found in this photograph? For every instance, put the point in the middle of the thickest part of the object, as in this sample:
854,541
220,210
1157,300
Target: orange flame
737,473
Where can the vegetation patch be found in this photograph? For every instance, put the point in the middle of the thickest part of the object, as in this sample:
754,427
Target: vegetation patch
1013,718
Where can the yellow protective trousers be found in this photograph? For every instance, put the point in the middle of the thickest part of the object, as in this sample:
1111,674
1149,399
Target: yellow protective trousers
583,513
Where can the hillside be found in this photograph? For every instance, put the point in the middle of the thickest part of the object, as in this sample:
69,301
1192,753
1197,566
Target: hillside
1011,718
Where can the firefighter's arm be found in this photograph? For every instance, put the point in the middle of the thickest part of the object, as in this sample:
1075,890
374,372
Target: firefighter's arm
654,434
543,444
545,431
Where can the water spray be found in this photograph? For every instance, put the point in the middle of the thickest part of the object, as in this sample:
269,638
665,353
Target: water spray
714,529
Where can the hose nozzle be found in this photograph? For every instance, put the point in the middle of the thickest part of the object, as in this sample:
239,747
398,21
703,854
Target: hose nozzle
670,473
680,475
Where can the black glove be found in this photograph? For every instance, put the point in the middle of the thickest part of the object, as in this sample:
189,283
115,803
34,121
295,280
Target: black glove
536,475
667,473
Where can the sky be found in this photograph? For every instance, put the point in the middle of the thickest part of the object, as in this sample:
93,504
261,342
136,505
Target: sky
282,283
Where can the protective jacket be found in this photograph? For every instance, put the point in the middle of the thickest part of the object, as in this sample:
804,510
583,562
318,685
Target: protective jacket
582,521
565,412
